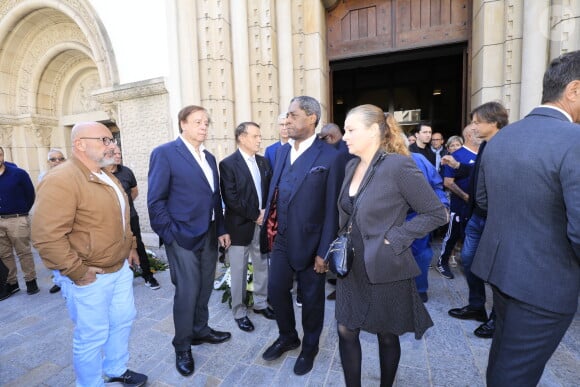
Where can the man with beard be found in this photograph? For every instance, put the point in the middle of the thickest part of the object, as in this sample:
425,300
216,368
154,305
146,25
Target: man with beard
81,227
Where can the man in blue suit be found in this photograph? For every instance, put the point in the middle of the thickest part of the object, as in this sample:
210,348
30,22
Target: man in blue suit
185,208
301,221
271,150
529,252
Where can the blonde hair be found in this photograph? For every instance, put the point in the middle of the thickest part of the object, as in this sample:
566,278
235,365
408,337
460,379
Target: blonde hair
398,143
389,129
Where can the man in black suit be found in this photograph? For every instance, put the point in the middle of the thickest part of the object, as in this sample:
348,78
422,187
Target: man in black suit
244,179
529,252
302,215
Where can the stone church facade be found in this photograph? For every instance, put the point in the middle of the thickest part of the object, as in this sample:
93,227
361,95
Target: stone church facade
61,62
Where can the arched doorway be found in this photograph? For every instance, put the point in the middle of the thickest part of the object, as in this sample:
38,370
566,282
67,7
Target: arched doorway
402,55
53,55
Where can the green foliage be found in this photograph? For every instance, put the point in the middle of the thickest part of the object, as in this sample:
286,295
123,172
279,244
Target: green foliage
154,263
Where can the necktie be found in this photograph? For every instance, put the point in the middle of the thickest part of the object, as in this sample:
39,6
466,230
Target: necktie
255,171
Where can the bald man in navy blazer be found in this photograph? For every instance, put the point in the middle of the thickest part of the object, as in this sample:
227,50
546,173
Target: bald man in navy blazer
185,208
529,251
303,194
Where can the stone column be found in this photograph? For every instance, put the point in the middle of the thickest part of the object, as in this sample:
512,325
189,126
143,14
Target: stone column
534,52
241,60
565,28
309,47
285,54
184,76
487,69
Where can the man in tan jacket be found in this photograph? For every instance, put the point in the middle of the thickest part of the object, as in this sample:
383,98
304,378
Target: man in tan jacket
80,226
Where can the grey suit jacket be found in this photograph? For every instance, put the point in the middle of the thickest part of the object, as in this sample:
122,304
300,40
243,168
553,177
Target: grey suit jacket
397,186
530,178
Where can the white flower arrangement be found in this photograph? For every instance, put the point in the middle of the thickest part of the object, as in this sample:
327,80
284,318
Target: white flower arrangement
224,282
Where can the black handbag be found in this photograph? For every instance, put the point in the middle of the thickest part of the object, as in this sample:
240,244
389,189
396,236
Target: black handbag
340,254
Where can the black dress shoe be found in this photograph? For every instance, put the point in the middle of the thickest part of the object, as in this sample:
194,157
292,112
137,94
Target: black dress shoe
485,330
184,362
331,296
213,337
279,347
245,324
469,313
266,312
305,362
54,289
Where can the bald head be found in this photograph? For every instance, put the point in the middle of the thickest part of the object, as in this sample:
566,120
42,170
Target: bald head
330,133
93,145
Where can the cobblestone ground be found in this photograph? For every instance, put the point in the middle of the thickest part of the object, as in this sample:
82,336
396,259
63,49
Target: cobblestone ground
36,337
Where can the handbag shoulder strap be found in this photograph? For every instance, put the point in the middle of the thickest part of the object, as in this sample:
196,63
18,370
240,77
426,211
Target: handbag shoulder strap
362,189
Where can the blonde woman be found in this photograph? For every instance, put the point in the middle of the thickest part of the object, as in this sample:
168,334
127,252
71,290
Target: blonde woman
379,294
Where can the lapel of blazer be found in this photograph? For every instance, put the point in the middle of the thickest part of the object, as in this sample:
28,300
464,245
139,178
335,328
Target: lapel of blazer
309,158
243,169
182,149
349,172
213,165
280,161
262,167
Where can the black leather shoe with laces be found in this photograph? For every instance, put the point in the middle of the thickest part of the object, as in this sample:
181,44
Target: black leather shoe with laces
129,379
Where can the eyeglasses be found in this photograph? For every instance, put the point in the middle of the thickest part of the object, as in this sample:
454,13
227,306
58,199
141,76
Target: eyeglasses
55,159
436,139
106,140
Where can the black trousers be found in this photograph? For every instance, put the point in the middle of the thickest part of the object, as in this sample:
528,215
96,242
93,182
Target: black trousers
311,285
143,259
525,338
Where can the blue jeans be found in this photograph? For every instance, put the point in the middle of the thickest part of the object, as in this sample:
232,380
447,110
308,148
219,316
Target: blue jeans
102,313
423,254
473,232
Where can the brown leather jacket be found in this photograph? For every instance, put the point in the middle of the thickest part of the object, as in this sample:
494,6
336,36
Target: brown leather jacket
77,222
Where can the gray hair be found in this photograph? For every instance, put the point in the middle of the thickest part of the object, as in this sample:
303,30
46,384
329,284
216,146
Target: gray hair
310,106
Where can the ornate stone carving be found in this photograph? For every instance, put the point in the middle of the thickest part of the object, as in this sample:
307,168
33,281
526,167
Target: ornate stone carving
5,135
130,91
41,134
83,100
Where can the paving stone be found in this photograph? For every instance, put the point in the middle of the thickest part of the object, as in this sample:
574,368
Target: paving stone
36,342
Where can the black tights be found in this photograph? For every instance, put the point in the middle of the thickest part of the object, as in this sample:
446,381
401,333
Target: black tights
351,356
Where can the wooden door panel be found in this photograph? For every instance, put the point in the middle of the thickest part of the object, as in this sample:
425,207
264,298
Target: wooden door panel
368,27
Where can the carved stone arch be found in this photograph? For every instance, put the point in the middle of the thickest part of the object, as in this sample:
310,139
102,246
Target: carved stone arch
82,14
48,72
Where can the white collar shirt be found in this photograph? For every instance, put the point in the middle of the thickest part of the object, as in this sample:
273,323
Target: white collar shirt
302,147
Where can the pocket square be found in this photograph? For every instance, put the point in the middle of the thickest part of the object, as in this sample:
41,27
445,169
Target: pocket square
318,169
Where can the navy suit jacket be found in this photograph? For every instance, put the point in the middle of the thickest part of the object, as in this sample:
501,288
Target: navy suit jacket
271,151
179,197
312,211
529,181
240,196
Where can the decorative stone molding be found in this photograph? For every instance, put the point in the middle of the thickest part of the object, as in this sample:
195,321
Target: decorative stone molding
41,134
129,91
6,135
